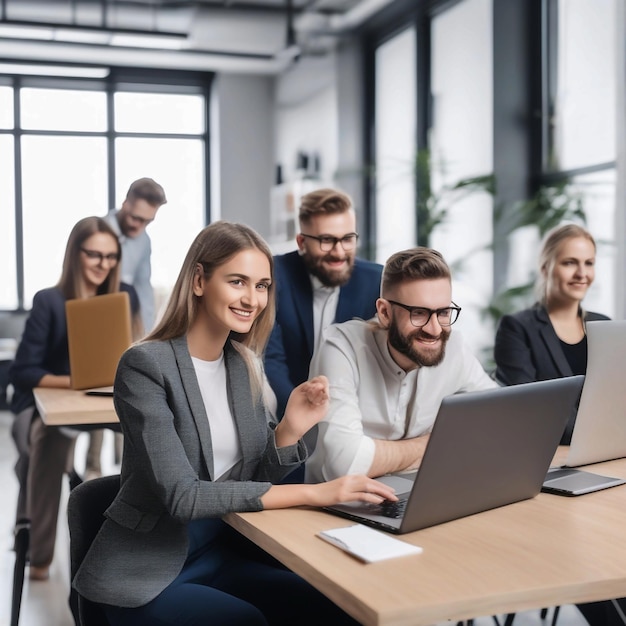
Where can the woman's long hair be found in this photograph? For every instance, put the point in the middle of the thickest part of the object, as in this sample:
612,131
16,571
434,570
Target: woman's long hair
550,249
70,282
215,245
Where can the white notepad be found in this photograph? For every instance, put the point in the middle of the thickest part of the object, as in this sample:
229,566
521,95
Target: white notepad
368,544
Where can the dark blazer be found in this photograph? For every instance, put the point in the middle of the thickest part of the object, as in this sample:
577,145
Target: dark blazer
43,348
527,348
291,344
167,471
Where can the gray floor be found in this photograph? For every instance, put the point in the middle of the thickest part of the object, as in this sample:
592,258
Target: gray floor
45,603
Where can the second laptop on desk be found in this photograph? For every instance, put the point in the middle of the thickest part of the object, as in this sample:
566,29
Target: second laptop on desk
486,449
600,430
98,332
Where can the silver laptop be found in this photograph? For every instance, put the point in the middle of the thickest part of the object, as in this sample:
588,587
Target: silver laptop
487,449
600,430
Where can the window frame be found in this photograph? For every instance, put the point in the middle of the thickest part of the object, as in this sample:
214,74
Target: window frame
118,79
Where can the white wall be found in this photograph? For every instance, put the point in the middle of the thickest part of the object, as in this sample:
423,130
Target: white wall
319,109
351,113
306,115
245,169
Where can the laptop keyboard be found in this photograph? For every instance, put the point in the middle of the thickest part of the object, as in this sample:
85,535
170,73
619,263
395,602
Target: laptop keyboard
394,510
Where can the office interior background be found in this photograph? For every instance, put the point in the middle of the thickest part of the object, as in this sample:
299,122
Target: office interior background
467,125
486,118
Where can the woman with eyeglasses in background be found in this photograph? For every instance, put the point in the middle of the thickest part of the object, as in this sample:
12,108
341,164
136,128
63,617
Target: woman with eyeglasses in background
90,268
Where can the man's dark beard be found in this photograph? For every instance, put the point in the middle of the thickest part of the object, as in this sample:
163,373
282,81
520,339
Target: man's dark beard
404,345
328,278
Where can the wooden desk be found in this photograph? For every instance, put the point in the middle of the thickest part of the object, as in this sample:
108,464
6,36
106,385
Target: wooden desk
542,552
69,407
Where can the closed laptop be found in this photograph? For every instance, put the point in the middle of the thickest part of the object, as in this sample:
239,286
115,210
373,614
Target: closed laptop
98,332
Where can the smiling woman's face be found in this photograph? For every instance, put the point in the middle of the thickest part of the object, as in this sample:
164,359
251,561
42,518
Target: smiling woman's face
572,272
236,294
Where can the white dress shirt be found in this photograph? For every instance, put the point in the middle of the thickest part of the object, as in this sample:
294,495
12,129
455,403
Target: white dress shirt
372,397
325,301
136,268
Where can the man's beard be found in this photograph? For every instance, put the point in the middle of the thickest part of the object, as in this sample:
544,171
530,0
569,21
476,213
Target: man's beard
328,277
404,345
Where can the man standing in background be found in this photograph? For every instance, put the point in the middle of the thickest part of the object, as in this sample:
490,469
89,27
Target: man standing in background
143,200
321,283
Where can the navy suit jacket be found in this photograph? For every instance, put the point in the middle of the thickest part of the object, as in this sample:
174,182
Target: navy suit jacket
527,349
291,344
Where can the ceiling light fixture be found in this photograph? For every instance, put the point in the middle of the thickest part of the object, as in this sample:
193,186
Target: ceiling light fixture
53,70
21,31
92,35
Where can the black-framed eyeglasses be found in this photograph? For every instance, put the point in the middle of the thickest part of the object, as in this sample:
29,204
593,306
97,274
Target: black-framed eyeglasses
112,258
420,316
327,242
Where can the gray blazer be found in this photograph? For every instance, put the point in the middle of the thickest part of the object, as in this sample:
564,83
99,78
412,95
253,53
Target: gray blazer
167,471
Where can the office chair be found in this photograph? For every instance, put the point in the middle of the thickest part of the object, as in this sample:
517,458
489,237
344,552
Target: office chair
543,614
20,546
470,622
85,515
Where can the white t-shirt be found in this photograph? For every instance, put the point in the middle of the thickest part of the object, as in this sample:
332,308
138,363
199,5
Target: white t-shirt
224,439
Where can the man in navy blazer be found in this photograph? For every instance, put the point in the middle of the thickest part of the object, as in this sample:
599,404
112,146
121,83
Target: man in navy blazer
321,283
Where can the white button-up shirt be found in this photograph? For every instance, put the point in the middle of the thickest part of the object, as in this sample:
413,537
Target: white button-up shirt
372,397
325,300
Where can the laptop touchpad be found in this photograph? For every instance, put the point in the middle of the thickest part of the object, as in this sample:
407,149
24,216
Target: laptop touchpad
397,483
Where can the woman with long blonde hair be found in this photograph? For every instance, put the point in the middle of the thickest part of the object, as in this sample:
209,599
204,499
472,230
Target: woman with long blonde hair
200,442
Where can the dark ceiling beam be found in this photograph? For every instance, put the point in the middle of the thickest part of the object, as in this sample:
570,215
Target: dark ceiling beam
269,7
96,29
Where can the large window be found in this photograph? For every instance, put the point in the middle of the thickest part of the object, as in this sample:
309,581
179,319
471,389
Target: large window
396,147
71,149
461,148
584,107
580,124
524,98
8,287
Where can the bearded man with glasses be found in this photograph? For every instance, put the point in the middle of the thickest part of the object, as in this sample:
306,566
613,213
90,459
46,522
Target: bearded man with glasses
388,375
319,284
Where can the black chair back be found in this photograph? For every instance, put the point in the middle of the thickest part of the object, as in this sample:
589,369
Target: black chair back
85,513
